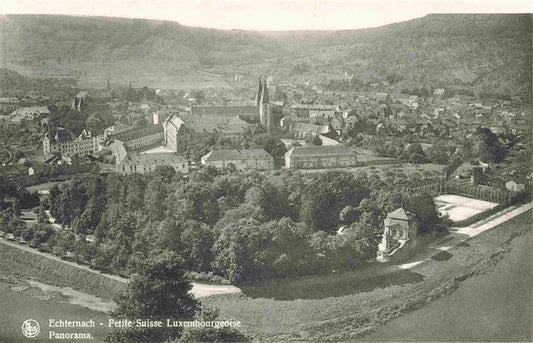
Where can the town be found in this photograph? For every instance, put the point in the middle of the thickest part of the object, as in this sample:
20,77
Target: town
272,182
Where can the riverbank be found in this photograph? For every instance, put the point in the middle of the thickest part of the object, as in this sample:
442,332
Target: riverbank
495,306
359,306
351,316
23,263
21,302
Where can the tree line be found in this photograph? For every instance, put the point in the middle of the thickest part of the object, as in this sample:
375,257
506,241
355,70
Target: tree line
242,226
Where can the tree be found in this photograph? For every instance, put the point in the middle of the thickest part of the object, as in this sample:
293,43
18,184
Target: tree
415,154
69,201
237,250
197,239
417,158
288,253
438,153
271,198
166,173
158,291
64,242
199,96
490,147
155,196
423,206
272,145
323,199
42,233
348,214
197,199
316,141
42,217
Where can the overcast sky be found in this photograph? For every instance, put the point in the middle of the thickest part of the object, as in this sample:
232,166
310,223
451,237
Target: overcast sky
267,14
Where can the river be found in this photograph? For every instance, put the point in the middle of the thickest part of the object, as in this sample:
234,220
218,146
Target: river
16,307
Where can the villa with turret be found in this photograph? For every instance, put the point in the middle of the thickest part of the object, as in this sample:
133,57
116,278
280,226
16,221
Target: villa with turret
401,230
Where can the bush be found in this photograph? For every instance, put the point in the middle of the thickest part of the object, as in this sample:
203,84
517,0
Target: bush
206,278
519,197
479,216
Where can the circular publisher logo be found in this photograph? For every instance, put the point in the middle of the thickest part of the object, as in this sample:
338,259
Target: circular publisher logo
30,328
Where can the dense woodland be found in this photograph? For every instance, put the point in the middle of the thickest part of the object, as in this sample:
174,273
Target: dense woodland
240,226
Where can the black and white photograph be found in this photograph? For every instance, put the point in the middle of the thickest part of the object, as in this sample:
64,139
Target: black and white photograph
181,171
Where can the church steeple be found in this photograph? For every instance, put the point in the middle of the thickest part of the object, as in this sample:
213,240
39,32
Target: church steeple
264,93
263,104
259,94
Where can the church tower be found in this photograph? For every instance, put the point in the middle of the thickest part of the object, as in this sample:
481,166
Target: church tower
263,104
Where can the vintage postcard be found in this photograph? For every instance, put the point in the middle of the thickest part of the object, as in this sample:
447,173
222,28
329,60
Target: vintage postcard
180,171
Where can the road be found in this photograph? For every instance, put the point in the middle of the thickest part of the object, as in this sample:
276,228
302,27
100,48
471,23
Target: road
459,235
198,289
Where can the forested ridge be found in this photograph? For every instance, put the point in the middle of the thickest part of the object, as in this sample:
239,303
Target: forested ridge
487,55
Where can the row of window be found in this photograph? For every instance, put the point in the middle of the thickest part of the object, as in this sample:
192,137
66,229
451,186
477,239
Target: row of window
148,167
313,163
398,233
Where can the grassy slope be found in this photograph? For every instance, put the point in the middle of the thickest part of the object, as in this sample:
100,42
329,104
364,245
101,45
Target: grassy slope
18,264
350,316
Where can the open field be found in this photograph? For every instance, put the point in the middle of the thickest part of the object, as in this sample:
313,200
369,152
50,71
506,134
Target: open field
459,207
95,75
347,316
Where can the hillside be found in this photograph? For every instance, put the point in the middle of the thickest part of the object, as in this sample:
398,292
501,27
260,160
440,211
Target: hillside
14,84
484,54
480,54
154,53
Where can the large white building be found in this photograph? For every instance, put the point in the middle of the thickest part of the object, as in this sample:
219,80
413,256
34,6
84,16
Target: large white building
140,137
180,131
320,157
61,141
147,163
257,159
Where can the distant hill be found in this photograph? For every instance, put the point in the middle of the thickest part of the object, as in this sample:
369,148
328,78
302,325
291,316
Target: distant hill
482,54
14,84
487,54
